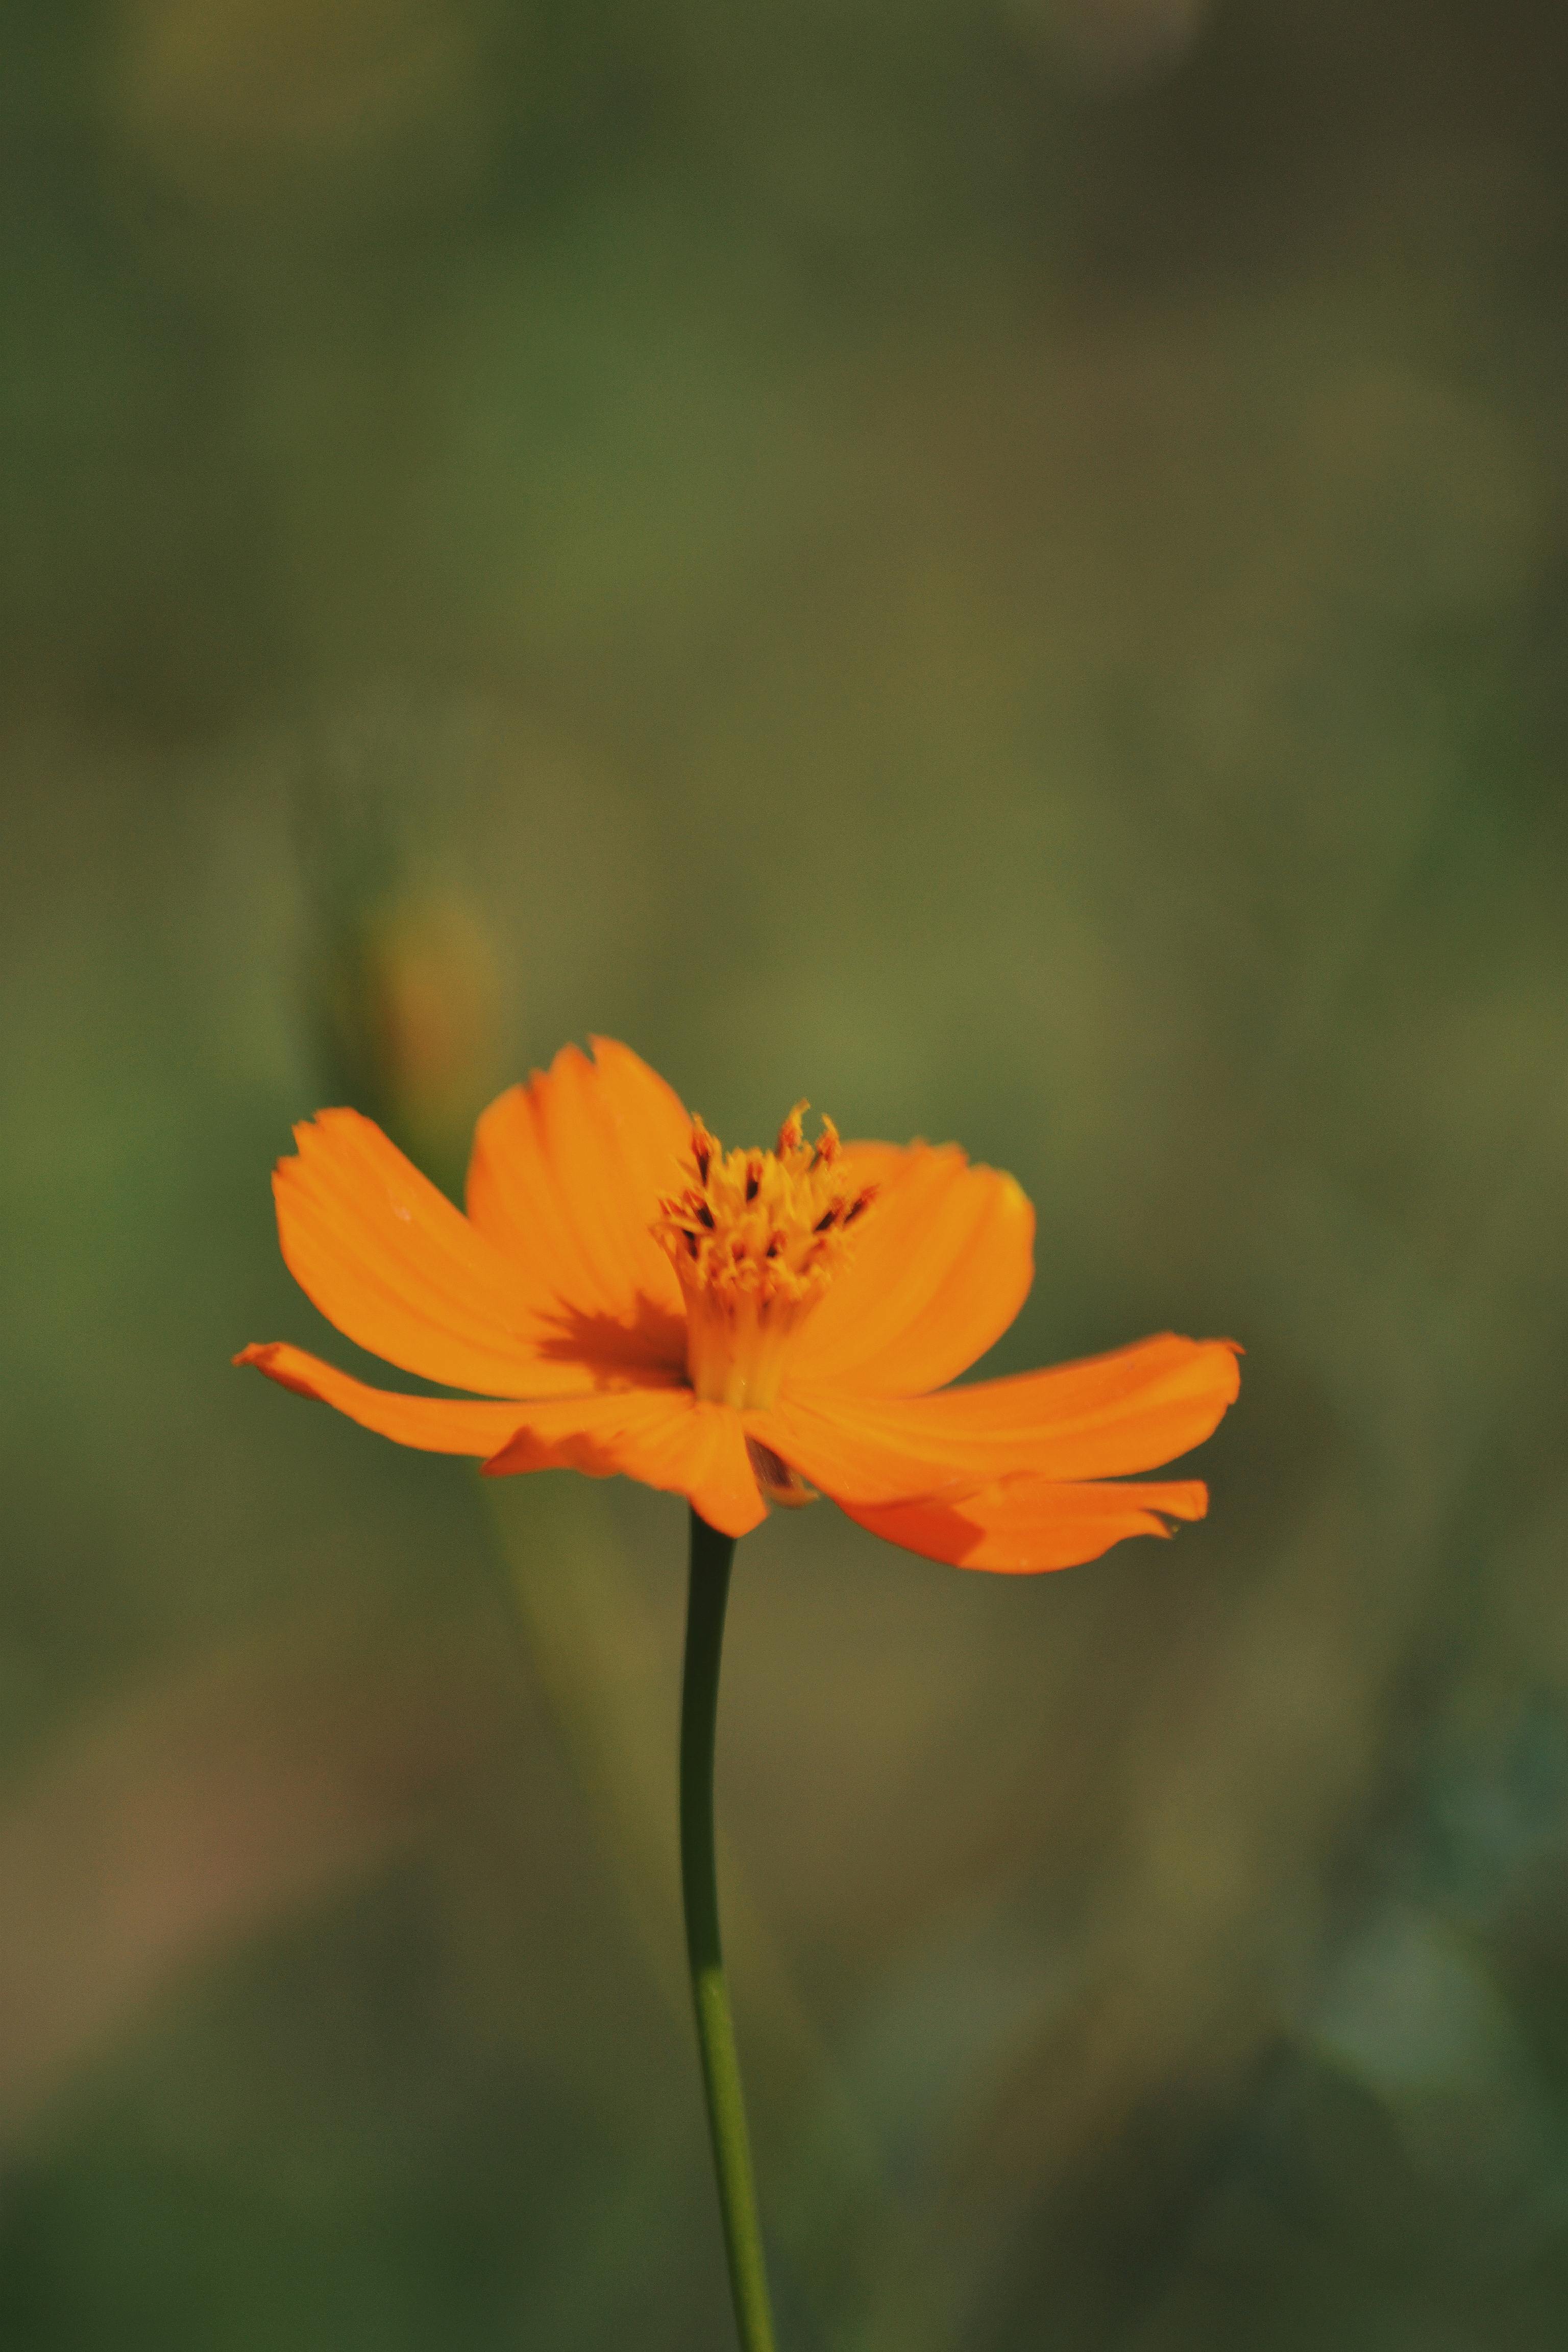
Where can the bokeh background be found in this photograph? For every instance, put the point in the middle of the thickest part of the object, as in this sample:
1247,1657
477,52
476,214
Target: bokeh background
998,563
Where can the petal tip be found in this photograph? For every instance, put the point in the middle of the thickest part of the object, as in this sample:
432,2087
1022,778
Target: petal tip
270,1356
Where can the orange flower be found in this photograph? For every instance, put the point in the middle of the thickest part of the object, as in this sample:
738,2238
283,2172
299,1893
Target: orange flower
738,1328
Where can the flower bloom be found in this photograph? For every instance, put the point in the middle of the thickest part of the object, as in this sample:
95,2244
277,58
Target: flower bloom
739,1327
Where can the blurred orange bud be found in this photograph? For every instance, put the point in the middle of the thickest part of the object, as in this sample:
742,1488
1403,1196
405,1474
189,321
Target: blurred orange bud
433,987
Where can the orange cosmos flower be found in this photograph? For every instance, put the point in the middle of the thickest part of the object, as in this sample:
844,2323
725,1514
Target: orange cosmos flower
738,1328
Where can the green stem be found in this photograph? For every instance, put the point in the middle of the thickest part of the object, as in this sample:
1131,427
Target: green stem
712,1556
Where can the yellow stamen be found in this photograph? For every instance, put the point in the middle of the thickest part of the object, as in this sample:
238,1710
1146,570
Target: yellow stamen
755,1241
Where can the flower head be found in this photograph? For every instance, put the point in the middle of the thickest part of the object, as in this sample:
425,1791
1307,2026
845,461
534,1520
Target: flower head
740,1328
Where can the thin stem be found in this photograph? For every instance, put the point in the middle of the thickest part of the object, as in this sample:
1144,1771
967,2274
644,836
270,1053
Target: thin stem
712,1556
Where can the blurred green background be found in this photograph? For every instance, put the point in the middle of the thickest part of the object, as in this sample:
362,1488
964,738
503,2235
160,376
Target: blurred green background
998,563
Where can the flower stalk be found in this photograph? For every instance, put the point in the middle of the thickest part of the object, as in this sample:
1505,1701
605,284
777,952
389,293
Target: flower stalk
712,1555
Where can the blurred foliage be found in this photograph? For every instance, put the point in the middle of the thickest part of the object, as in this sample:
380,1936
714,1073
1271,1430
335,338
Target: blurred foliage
1001,566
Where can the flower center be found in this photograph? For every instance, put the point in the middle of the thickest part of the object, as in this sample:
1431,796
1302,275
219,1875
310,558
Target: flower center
755,1241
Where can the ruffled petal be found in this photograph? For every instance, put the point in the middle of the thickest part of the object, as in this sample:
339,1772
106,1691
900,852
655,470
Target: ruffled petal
662,1437
400,1271
666,1439
566,1180
1102,1418
437,1424
1019,1526
942,1262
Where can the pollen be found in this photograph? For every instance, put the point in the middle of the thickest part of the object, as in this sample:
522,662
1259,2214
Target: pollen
755,1240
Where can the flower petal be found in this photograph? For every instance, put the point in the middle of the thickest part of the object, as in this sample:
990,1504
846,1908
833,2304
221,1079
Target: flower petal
662,1437
1018,1526
943,1262
1101,1418
666,1439
438,1425
565,1178
399,1270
